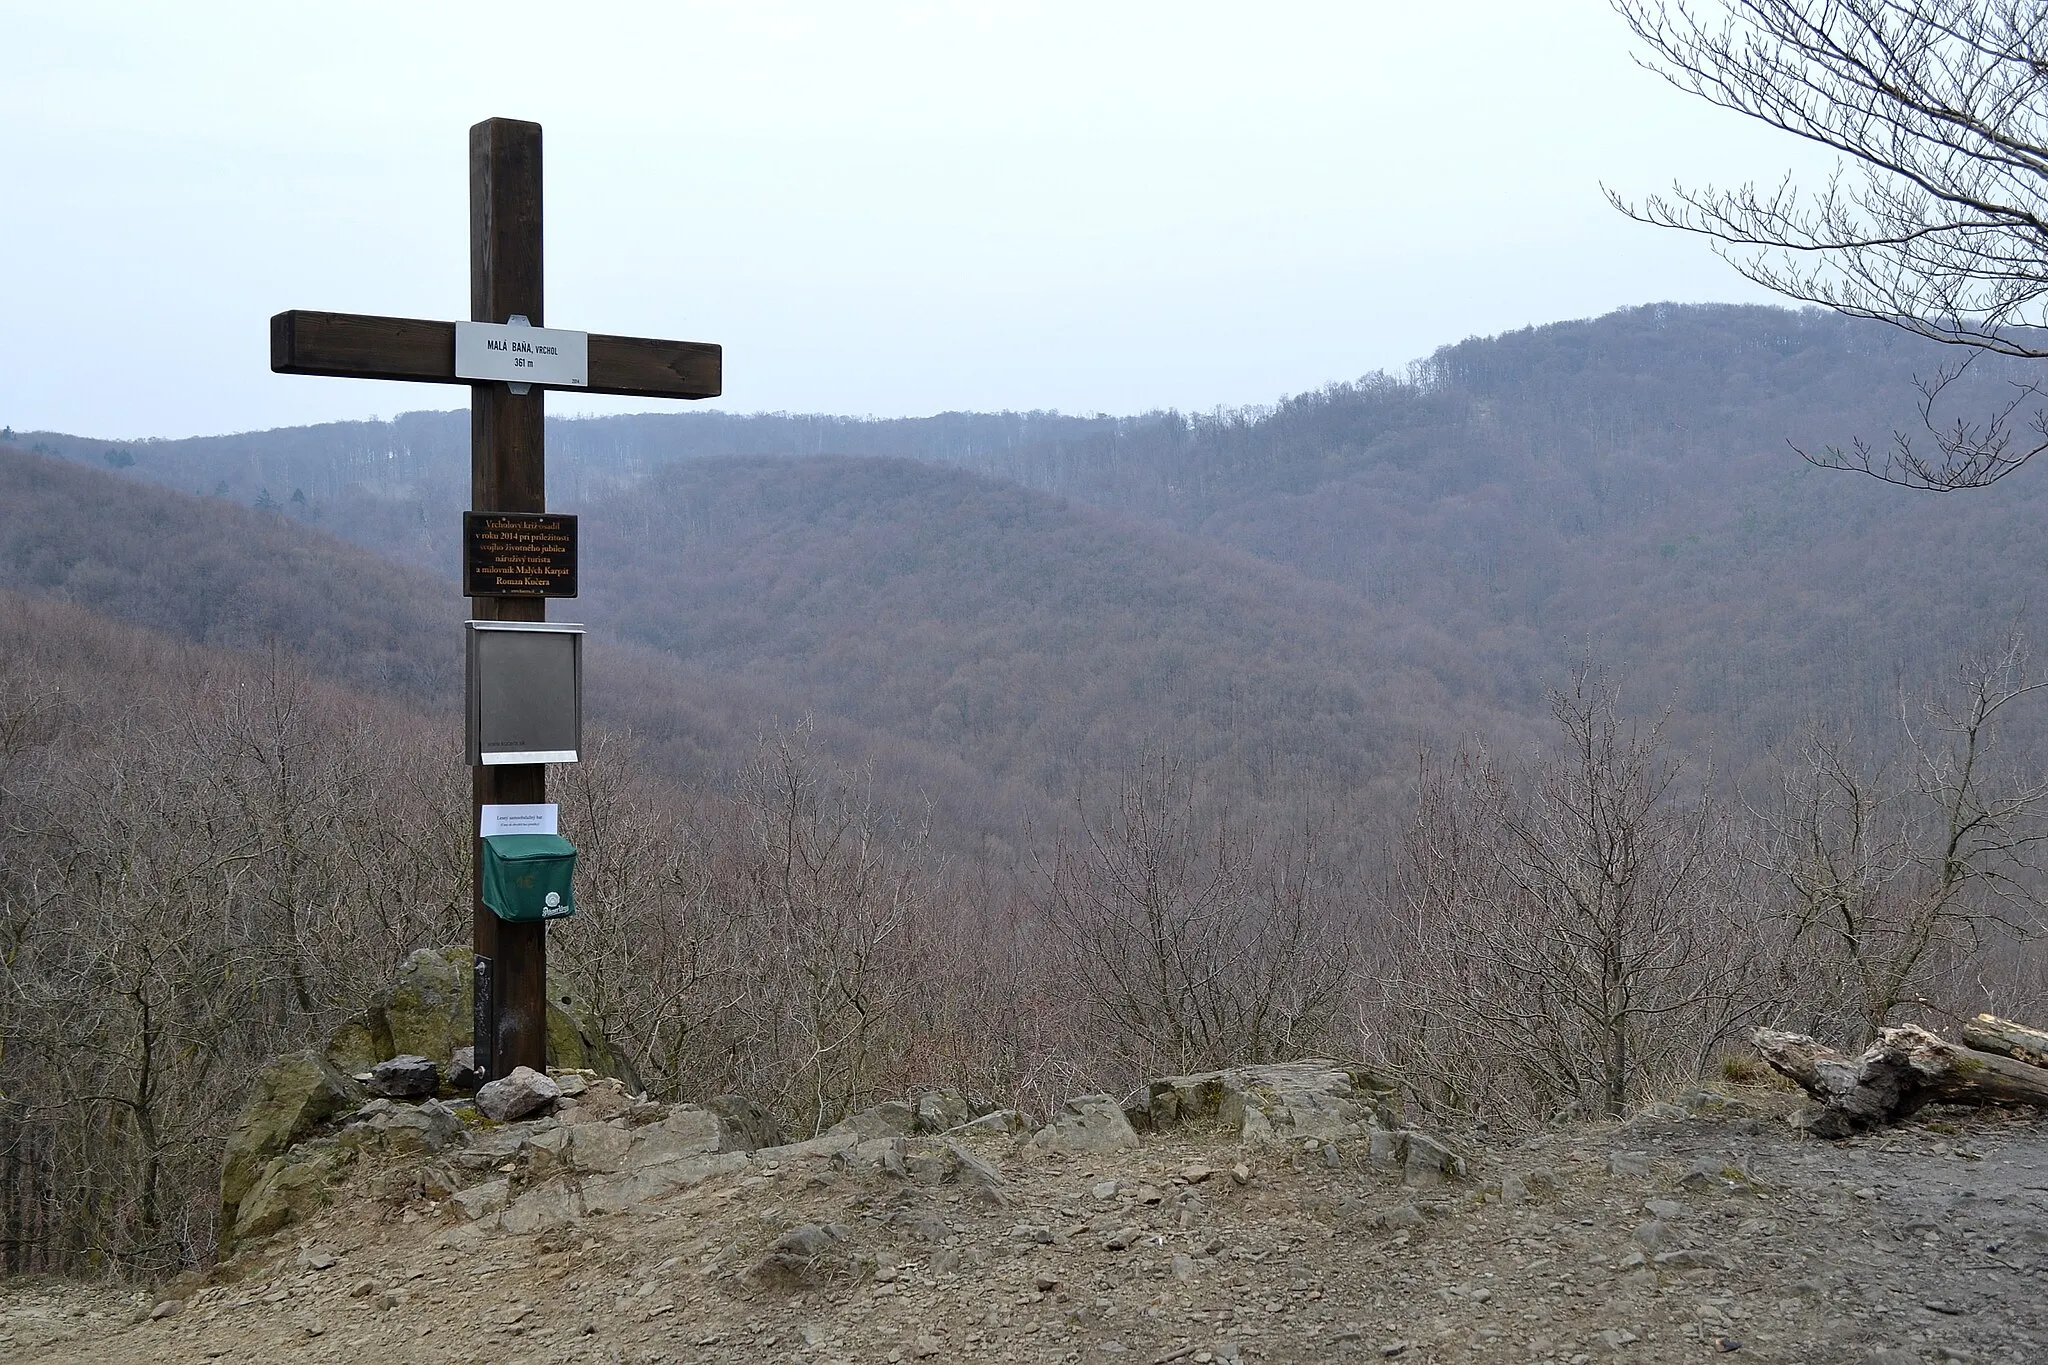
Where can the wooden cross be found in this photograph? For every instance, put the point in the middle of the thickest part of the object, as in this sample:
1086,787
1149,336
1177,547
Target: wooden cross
507,474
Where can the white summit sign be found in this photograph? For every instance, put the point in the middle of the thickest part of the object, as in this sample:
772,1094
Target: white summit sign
522,354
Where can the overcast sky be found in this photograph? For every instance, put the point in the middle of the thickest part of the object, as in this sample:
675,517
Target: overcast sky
876,208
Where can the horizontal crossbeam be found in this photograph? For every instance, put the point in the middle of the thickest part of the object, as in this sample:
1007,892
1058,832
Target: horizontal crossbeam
359,346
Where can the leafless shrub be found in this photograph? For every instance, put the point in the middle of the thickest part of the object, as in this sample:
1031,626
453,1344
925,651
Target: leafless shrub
1898,872
1563,937
1186,937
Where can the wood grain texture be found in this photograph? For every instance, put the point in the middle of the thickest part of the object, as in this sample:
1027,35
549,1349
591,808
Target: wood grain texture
656,369
1989,1033
363,346
508,473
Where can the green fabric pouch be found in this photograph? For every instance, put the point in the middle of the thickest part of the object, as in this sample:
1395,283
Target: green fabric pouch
528,876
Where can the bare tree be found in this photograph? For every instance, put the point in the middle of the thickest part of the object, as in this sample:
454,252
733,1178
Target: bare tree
1192,938
1892,870
835,896
1935,219
1570,936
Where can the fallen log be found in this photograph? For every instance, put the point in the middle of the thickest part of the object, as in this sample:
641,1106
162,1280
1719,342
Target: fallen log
1906,1068
1989,1033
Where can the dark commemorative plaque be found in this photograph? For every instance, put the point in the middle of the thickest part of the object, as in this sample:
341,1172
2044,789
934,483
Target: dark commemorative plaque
518,554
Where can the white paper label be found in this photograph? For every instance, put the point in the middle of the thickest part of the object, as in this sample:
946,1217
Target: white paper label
519,354
529,819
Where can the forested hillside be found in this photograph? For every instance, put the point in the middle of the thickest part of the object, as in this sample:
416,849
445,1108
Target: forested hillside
1624,489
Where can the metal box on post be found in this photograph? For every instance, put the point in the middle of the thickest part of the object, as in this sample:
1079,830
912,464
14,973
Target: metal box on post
525,691
529,876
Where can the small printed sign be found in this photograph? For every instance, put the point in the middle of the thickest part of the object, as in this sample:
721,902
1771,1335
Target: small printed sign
531,818
518,554
519,354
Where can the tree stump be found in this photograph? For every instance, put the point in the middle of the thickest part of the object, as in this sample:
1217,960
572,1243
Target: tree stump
1906,1068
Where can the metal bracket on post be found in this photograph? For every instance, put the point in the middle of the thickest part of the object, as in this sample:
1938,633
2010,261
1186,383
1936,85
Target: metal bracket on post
518,320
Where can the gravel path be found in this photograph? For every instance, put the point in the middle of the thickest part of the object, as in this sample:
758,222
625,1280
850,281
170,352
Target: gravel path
1669,1239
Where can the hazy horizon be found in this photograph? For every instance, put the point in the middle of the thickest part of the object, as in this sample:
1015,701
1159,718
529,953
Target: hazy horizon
905,211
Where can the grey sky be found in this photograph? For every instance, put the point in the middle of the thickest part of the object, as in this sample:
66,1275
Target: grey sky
877,208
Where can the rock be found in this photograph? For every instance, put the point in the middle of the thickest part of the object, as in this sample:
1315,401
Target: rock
745,1126
523,1092
408,1077
891,1118
603,1100
1418,1157
427,1008
941,1112
1279,1102
999,1121
1652,1235
1397,1217
291,1098
1241,1174
824,1147
1183,1267
804,1256
168,1308
548,1206
1103,1189
685,1131
1426,1160
427,1012
1195,1173
879,1156
290,1189
462,1072
1628,1163
635,1185
360,1043
481,1201
1087,1123
407,1130
983,1182
577,1043
1712,1104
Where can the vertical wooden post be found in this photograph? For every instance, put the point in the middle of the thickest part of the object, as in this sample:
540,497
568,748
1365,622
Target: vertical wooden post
507,474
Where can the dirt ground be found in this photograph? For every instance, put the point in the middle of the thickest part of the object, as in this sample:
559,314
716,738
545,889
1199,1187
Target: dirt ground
1672,1238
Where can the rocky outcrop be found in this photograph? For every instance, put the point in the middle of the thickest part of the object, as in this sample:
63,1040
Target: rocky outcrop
426,1012
1278,1102
534,1152
288,1190
523,1092
1087,1123
289,1101
1315,1103
405,1078
807,1255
